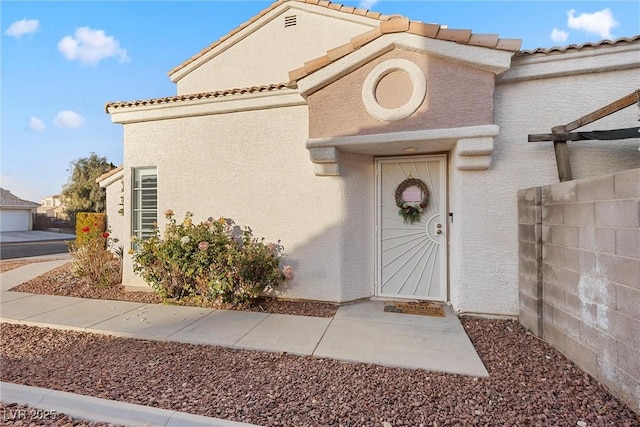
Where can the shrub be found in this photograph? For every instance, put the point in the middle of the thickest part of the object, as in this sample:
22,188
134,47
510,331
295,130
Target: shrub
97,257
212,259
86,221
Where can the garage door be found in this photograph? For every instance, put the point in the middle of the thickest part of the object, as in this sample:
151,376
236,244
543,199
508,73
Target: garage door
14,220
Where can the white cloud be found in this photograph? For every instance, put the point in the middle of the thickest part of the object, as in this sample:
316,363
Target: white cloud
68,119
367,4
559,36
91,46
600,22
22,27
36,125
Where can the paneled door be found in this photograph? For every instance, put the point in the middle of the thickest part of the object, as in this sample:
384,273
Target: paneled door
412,256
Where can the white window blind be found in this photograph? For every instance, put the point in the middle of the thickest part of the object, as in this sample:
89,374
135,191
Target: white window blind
145,201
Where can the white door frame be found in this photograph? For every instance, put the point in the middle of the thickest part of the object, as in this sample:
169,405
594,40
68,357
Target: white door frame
444,200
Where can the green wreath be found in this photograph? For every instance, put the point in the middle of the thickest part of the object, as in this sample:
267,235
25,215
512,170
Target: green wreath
411,213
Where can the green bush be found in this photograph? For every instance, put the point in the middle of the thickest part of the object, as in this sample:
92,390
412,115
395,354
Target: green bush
97,257
86,221
211,260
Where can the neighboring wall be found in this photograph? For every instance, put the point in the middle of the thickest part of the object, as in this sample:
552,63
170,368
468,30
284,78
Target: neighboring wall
579,252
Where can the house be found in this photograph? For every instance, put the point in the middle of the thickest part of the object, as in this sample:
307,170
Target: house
16,214
52,207
313,121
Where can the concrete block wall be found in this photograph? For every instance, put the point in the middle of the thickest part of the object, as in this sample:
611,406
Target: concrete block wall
579,272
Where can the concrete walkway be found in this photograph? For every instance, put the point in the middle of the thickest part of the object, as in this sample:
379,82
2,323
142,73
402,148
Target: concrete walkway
94,409
360,332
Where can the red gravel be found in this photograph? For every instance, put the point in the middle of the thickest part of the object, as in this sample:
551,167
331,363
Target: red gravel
530,384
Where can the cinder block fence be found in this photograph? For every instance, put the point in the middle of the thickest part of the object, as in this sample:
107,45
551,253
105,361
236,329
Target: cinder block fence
579,253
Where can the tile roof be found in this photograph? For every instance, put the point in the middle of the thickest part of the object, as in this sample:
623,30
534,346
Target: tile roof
110,173
7,199
404,25
204,95
327,4
622,40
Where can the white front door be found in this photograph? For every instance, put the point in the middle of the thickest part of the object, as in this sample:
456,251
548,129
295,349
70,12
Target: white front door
412,257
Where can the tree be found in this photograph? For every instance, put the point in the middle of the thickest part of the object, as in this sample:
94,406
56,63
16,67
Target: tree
82,193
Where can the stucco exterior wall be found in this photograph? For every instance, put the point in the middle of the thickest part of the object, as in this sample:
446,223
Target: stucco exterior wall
268,54
245,166
357,240
115,219
484,237
580,274
457,96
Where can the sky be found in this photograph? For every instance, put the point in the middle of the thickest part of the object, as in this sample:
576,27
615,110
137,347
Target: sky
61,62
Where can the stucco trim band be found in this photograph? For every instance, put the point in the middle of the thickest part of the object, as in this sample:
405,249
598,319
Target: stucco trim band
594,60
208,106
370,85
473,146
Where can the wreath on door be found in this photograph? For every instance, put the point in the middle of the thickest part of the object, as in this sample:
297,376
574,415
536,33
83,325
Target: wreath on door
408,211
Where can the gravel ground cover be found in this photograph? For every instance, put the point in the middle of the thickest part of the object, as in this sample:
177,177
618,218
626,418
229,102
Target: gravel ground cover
530,383
21,415
61,281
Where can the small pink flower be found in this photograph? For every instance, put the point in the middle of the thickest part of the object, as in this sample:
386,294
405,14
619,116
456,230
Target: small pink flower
203,246
168,213
105,234
287,270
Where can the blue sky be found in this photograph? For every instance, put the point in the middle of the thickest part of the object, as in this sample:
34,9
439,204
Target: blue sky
62,61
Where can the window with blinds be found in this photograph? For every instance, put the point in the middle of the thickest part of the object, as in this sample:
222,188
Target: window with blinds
145,201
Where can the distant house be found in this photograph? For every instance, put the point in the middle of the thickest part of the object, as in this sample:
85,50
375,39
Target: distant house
16,214
313,121
53,207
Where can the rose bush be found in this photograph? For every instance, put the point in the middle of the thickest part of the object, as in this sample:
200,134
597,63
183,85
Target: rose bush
213,259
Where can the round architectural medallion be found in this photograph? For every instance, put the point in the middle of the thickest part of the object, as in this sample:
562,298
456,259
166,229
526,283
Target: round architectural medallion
394,90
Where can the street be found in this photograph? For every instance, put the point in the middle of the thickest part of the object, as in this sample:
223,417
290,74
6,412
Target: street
28,249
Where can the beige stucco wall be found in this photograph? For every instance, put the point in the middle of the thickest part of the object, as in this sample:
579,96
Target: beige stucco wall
484,234
253,167
115,220
268,54
457,95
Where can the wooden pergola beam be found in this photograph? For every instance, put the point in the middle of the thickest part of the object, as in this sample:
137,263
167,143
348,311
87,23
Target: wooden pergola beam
615,106
561,134
541,137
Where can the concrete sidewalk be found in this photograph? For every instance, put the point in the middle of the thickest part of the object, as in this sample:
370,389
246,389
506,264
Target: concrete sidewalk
102,410
360,332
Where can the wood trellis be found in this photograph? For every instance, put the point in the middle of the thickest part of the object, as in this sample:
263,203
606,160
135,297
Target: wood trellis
560,135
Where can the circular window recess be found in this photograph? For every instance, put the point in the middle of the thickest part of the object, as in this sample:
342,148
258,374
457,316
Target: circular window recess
399,75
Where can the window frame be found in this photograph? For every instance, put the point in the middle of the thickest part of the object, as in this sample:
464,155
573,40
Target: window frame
137,210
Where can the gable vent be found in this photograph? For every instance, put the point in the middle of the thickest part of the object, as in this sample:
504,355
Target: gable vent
290,21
